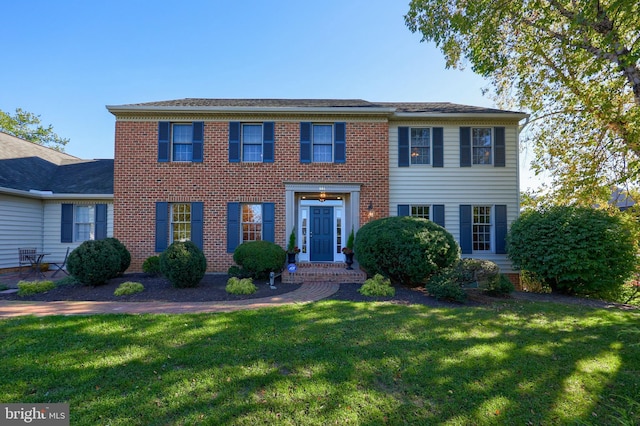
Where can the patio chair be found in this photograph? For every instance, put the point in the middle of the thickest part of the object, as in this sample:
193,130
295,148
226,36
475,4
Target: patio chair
60,265
26,257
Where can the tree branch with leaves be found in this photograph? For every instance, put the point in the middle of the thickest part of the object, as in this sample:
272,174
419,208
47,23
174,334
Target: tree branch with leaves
26,125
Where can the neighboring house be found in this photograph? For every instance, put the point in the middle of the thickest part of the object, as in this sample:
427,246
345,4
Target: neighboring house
50,200
220,172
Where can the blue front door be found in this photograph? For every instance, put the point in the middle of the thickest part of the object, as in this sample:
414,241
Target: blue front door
321,234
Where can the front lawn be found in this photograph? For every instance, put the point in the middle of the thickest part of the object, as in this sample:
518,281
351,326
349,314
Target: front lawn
332,363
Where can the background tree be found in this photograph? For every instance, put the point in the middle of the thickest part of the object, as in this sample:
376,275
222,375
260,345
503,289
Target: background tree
26,125
574,65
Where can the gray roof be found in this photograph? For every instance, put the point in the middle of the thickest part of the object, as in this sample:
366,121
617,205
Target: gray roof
396,107
26,166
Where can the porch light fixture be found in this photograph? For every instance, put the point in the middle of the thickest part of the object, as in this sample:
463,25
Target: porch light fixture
370,209
323,196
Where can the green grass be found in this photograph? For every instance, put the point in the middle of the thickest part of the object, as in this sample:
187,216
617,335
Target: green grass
332,363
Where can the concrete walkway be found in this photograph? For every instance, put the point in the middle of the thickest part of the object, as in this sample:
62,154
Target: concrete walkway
305,294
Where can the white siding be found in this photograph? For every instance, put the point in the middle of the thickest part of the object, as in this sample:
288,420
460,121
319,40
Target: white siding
453,185
20,226
53,222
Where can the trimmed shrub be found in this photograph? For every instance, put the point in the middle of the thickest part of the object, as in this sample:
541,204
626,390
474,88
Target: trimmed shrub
259,258
575,250
151,266
94,262
125,256
445,285
27,288
377,286
406,249
499,285
128,287
238,272
183,263
240,286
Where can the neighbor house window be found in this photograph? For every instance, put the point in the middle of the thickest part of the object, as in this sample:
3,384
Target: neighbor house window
322,143
252,142
420,145
420,211
481,228
84,223
481,143
251,222
180,222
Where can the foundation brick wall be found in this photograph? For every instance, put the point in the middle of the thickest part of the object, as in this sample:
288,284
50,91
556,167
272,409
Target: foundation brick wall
140,181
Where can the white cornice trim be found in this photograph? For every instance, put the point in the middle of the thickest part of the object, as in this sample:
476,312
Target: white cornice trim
40,195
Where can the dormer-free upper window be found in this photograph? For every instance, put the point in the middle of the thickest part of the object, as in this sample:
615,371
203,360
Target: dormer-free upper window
420,145
481,143
180,142
323,143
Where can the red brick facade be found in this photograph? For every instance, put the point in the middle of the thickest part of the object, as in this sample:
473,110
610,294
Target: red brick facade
141,181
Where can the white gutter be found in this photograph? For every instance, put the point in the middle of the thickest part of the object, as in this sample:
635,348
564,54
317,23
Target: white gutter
508,115
47,195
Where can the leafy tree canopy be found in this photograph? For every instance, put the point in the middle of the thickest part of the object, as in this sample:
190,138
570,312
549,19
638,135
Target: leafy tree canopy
574,65
26,125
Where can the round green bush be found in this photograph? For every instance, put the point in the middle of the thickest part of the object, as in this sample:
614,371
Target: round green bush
378,286
445,285
94,262
183,263
575,250
240,286
128,288
405,249
151,265
125,256
259,258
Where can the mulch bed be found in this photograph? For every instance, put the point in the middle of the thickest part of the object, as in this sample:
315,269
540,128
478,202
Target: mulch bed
212,288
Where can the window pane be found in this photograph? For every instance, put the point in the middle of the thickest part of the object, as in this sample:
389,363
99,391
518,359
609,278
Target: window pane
420,211
84,226
181,222
322,153
252,152
251,222
482,228
182,133
252,133
182,152
420,145
481,141
323,134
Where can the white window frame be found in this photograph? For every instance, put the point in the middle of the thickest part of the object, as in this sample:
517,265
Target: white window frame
313,143
242,142
474,147
91,222
413,154
420,206
254,228
184,226
173,143
491,226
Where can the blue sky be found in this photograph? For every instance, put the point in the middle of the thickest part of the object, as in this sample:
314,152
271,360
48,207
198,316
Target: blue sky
65,60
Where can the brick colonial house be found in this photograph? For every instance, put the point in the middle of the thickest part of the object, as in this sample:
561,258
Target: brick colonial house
220,172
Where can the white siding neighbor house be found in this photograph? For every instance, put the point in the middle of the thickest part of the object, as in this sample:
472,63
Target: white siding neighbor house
50,200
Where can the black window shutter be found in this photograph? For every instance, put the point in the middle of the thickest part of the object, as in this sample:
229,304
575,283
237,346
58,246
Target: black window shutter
465,146
466,229
66,227
305,142
197,212
198,142
403,147
340,143
438,214
101,221
438,147
234,142
404,210
501,229
164,133
268,142
233,226
162,226
268,222
499,149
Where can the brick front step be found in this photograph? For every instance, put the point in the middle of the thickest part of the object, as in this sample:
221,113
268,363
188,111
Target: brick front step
336,273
